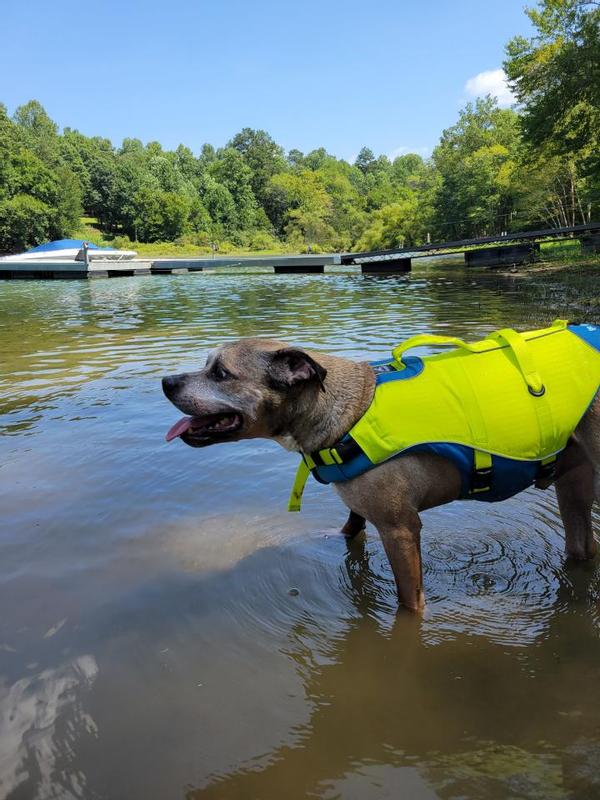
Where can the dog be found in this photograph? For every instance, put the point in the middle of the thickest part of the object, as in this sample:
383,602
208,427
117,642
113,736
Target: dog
306,401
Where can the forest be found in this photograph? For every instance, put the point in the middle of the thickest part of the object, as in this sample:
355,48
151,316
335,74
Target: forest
496,169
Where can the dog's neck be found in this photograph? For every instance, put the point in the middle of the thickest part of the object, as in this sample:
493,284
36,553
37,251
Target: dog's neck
318,418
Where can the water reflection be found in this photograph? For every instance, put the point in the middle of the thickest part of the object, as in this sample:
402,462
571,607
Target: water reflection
36,736
394,715
150,646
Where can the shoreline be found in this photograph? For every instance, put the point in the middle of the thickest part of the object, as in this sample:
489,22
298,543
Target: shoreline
567,287
552,266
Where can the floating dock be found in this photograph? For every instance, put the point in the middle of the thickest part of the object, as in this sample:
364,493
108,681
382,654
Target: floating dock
508,249
57,270
51,269
289,265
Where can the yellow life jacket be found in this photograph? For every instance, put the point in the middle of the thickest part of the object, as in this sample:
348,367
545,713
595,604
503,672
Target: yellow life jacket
501,408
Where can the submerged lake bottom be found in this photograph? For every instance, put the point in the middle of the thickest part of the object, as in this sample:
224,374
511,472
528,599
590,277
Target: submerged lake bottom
169,631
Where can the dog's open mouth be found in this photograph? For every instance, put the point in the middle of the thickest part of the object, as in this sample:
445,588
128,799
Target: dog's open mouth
199,431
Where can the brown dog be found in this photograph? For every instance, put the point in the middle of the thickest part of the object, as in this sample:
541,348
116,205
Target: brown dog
306,401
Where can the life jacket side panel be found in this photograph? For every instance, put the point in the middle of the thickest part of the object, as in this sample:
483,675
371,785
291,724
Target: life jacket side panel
481,400
438,392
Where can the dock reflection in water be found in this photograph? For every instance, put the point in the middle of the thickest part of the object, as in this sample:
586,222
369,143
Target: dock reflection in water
150,646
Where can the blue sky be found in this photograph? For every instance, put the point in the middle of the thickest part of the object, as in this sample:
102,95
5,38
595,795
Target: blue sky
390,75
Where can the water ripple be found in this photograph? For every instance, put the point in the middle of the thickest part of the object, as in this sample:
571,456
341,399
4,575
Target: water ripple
236,645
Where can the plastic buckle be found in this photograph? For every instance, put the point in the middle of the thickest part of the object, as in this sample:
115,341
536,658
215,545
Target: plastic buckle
547,471
481,479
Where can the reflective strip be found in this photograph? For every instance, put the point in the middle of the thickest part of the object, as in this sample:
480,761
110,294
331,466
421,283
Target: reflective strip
295,502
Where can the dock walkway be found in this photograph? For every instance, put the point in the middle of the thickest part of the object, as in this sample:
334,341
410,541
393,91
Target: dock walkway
507,249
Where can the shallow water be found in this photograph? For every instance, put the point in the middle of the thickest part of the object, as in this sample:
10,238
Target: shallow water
150,646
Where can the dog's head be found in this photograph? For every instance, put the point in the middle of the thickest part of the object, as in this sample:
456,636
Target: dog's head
245,390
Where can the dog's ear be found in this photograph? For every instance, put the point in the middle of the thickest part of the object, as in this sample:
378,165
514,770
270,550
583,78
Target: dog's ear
289,367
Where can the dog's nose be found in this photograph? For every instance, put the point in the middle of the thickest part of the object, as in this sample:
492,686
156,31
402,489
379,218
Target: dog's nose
171,383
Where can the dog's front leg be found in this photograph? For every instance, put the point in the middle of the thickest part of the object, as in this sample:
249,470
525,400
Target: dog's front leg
354,525
390,497
402,543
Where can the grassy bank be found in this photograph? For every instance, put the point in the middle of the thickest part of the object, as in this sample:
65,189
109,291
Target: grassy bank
553,255
185,248
565,280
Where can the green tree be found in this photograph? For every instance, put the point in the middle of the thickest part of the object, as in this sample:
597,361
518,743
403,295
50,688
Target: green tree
221,207
549,189
160,216
94,162
555,75
346,215
299,200
208,154
395,225
232,172
316,159
475,160
407,170
306,227
188,165
262,155
130,177
38,201
67,203
365,160
199,218
40,133
295,159
24,221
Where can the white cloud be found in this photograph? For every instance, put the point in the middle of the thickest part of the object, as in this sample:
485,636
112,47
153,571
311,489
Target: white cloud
492,81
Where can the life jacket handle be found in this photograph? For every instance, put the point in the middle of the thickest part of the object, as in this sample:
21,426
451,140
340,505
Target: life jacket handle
506,337
423,339
523,357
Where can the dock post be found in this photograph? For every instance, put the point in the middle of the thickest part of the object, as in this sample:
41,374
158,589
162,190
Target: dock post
590,244
502,256
389,266
297,269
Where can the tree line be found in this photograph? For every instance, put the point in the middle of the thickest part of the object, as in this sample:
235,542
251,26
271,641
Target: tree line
494,170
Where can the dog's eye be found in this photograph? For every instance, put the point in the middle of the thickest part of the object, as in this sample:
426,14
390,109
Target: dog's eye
219,373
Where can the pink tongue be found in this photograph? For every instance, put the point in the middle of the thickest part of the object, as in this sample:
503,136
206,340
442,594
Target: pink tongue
179,428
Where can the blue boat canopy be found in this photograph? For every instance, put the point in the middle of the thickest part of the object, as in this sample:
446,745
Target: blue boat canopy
65,244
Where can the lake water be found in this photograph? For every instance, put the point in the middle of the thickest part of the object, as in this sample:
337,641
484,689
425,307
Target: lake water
150,646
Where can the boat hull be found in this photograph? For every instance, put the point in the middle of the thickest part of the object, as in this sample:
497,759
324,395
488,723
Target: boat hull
71,254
